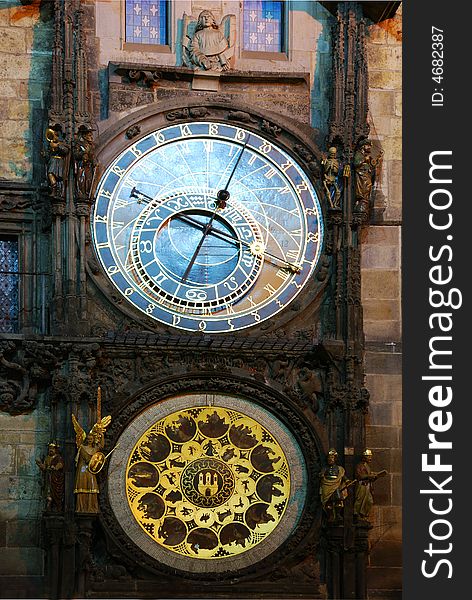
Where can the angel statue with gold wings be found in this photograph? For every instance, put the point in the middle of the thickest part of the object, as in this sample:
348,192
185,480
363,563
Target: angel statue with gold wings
89,461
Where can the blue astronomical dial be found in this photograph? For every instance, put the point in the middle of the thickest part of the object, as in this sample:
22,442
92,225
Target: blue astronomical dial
207,227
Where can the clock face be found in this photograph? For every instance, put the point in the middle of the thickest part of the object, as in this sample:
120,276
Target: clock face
206,482
207,227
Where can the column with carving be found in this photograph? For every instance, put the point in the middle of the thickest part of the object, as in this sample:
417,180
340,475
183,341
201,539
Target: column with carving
345,545
70,166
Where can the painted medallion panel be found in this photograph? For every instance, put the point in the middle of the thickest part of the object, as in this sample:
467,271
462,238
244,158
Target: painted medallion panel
205,478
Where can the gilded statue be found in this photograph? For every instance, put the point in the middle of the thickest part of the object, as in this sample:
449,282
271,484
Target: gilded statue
84,161
89,460
333,487
57,155
365,166
208,49
364,499
330,166
52,468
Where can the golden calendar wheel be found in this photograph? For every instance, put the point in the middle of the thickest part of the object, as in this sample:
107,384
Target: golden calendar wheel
207,482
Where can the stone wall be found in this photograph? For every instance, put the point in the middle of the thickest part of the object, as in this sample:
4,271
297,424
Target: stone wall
22,439
381,296
25,64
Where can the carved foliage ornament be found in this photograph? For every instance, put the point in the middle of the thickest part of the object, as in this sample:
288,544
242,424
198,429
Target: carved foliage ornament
24,369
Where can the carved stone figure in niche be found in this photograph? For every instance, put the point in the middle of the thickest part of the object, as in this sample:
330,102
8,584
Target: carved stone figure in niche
208,49
330,166
88,445
365,166
364,500
53,471
310,385
333,487
56,155
84,161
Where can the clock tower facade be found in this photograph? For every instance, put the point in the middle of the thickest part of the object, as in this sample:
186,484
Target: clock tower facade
209,175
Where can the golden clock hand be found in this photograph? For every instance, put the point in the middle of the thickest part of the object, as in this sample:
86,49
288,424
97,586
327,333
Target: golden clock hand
253,248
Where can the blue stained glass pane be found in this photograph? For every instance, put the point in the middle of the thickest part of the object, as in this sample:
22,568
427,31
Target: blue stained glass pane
263,26
9,285
146,21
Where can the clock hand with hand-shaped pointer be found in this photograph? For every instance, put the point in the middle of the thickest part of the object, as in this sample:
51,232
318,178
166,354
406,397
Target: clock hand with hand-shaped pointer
256,248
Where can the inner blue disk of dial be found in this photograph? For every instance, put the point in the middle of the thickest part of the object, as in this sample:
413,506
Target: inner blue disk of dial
178,239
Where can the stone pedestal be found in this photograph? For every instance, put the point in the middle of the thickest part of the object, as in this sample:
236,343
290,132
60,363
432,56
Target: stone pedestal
345,565
207,81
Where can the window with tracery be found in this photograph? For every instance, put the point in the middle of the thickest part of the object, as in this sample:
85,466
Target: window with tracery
9,284
263,26
146,22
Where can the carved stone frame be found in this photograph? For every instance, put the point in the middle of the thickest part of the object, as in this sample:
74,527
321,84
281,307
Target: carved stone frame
302,427
296,141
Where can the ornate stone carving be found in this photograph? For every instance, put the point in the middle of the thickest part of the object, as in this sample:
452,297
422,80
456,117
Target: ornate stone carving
133,131
16,199
145,77
52,467
324,268
309,159
197,112
330,166
84,162
354,284
365,168
271,128
206,45
24,367
364,499
75,378
241,116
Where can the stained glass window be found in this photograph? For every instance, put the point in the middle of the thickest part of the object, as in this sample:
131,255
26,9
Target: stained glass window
146,22
9,284
263,26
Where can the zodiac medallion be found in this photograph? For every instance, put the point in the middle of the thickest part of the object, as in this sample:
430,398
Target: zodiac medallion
207,482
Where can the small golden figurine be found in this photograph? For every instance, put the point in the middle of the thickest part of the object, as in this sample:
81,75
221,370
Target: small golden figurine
364,499
56,155
333,487
89,461
365,167
53,469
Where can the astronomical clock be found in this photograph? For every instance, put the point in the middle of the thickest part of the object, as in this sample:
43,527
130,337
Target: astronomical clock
209,230
204,481
207,227
186,280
